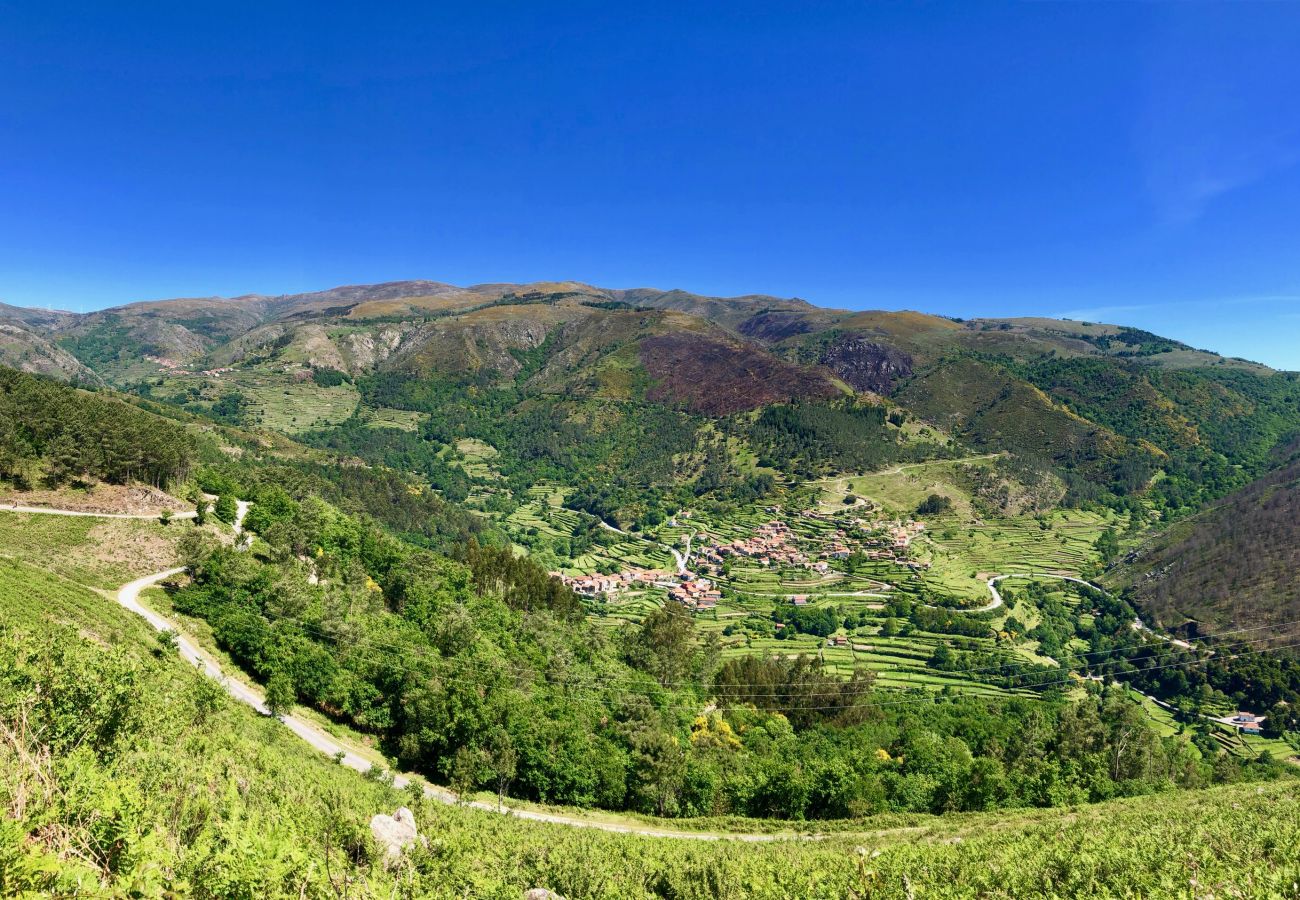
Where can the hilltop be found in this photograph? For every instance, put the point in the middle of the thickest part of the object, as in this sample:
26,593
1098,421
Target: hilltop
1110,410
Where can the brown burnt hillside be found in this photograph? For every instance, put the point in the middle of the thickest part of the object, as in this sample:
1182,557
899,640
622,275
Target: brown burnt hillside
716,378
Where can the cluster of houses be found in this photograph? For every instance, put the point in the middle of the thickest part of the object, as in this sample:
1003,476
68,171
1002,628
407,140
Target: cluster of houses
903,533
594,585
885,541
771,543
695,593
689,590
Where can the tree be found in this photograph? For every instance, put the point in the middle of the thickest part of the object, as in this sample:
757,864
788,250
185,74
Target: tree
933,505
503,760
200,506
167,640
660,766
664,643
226,508
1108,545
280,694
942,658
467,767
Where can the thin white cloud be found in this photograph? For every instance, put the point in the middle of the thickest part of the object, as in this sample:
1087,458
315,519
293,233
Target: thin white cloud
1110,313
1103,313
1214,118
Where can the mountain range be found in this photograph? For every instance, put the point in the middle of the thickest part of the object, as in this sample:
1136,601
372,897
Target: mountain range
1109,414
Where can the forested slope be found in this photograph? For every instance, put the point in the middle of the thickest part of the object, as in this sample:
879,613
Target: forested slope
123,773
55,434
1233,566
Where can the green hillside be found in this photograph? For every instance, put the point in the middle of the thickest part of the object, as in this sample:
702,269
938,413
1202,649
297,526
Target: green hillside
1117,412
131,776
1231,566
736,564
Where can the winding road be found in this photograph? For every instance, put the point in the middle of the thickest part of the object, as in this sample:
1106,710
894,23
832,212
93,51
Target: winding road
129,597
677,554
47,511
997,597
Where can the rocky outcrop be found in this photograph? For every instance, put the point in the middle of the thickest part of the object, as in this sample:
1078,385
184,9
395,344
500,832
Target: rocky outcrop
393,834
27,351
367,349
865,365
541,894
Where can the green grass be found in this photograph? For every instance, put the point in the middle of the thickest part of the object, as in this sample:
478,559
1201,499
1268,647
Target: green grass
275,402
900,489
402,419
230,804
235,805
297,407
36,600
102,553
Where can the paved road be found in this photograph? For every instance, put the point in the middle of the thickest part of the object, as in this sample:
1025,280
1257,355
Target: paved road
47,511
129,597
997,597
682,558
677,554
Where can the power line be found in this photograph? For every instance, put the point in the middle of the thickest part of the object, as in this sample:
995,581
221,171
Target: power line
581,695
519,670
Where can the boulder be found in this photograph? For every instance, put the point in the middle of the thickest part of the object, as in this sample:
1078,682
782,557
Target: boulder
394,833
541,894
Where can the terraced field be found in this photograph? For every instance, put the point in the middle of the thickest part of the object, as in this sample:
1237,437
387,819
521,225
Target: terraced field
402,419
544,515
295,408
476,457
274,402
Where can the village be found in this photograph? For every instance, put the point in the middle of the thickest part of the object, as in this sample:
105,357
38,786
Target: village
773,544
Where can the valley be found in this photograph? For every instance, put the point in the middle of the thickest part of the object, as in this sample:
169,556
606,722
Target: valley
836,451
667,565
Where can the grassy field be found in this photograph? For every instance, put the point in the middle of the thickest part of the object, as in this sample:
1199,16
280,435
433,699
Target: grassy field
476,457
401,419
296,407
36,600
900,489
275,402
101,553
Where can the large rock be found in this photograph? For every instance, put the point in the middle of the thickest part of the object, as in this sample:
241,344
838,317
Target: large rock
394,833
541,894
865,365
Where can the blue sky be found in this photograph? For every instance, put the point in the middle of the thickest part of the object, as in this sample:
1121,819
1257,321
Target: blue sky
1137,163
